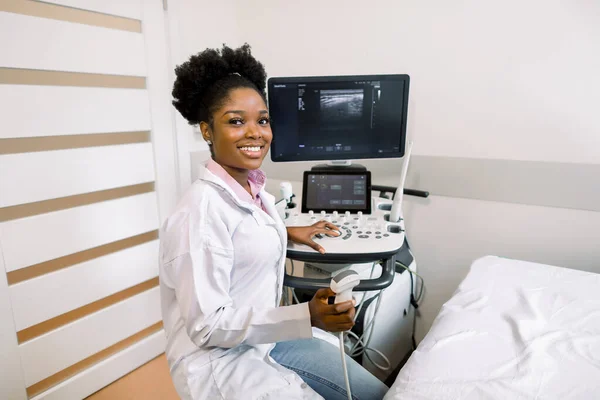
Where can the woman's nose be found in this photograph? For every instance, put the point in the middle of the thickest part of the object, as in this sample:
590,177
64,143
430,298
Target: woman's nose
253,131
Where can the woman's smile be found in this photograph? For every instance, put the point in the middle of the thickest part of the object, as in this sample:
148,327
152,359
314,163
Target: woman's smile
253,152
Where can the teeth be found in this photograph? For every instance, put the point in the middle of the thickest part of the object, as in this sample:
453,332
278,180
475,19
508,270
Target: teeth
257,148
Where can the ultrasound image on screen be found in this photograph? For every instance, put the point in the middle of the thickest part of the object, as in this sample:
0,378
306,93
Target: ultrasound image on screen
338,119
342,109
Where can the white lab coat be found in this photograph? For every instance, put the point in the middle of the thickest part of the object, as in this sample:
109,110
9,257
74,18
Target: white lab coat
222,262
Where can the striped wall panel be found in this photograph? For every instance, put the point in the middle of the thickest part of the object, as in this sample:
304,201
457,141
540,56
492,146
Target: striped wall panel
102,373
34,300
59,110
73,171
124,8
88,335
79,208
65,46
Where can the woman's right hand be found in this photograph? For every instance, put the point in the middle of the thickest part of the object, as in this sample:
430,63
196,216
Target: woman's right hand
331,317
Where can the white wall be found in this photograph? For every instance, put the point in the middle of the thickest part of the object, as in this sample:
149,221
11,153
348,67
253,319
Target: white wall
506,80
194,25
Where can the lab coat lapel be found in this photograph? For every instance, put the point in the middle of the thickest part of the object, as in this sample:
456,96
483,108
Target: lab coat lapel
206,175
268,201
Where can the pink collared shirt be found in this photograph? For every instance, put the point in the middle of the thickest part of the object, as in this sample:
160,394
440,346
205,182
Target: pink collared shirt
256,179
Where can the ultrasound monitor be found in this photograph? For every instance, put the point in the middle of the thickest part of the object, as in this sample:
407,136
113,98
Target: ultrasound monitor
338,117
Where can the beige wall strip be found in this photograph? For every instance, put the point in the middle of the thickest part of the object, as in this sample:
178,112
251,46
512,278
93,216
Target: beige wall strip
48,143
46,206
88,362
63,319
537,183
63,13
17,76
47,267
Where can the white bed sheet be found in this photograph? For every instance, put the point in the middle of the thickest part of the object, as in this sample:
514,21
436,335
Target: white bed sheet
513,330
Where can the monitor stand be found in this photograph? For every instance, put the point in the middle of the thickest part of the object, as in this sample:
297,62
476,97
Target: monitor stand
338,165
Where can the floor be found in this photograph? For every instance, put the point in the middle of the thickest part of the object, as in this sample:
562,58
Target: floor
148,382
152,381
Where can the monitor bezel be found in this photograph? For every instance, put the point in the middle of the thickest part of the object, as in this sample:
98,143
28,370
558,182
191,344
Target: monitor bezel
343,78
366,210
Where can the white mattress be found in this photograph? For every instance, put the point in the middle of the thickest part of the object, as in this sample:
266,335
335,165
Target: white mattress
513,330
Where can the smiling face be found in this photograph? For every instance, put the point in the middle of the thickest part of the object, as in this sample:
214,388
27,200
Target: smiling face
240,132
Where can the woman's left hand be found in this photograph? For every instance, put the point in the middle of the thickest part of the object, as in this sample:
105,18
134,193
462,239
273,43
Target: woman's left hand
304,234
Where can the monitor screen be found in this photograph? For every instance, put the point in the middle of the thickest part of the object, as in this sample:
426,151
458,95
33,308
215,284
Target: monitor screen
339,117
336,191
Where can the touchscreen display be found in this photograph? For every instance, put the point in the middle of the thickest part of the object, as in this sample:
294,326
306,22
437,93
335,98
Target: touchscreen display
336,192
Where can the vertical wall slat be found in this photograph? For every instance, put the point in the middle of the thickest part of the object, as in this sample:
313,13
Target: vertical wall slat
161,109
12,382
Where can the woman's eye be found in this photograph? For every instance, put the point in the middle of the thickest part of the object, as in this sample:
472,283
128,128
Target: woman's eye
236,121
264,121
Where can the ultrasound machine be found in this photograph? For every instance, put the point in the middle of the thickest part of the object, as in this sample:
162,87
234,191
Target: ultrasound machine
336,120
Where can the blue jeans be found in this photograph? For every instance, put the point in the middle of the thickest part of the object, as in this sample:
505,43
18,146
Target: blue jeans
319,364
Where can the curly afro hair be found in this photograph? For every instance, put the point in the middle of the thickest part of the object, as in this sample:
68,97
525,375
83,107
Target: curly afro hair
204,81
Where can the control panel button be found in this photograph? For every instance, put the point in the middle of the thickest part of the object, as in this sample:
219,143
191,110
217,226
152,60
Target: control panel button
363,236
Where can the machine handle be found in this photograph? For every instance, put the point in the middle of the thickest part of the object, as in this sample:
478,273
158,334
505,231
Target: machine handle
385,280
389,189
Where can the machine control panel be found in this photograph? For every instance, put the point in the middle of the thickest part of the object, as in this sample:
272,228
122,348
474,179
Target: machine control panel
360,233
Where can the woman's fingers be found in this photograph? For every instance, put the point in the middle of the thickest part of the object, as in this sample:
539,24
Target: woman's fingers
325,224
331,317
326,231
332,232
340,308
324,294
319,232
342,313
311,243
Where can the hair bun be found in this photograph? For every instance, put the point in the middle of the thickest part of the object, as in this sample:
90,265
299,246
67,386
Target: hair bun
242,62
196,76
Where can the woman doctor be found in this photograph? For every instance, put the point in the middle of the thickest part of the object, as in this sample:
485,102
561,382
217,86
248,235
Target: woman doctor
222,258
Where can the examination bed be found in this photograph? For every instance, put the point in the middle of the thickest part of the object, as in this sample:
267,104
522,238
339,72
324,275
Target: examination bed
513,330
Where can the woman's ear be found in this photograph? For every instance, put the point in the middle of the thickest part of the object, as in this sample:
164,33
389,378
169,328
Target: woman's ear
206,132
